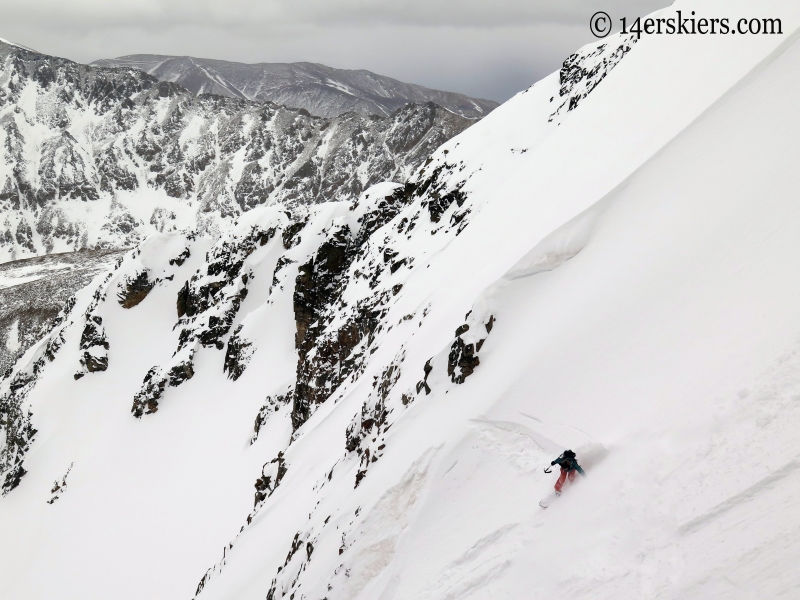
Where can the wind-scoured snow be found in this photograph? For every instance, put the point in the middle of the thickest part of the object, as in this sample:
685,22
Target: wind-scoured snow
357,399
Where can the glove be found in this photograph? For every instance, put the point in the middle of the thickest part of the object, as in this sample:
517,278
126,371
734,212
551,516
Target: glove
552,463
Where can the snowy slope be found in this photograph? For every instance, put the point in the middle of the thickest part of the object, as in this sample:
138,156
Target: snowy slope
100,158
321,90
618,278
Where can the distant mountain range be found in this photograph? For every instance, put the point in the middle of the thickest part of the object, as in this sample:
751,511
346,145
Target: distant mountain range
322,91
94,157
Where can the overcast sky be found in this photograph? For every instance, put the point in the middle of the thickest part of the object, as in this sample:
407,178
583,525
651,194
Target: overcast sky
484,48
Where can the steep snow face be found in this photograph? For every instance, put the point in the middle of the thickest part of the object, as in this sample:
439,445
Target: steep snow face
321,90
100,158
356,399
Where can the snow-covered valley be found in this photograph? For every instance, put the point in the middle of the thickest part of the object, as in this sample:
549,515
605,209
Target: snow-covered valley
357,399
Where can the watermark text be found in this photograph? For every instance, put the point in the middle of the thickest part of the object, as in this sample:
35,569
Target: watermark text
682,23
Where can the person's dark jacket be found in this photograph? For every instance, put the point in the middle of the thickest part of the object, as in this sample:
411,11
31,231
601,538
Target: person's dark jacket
568,464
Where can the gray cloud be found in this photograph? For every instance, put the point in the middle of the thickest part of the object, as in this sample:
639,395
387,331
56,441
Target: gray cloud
486,48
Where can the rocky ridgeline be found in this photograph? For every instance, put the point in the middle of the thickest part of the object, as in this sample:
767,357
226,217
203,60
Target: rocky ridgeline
585,69
321,90
102,157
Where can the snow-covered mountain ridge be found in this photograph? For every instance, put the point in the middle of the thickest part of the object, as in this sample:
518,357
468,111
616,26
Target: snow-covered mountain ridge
33,292
356,399
321,90
99,158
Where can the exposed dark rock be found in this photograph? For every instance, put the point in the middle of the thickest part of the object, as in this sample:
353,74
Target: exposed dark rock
282,262
181,258
315,288
439,192
423,383
15,475
182,303
218,326
397,264
439,205
333,361
59,487
463,358
462,361
180,373
135,289
296,545
271,405
146,400
94,347
582,71
291,233
271,475
365,433
199,295
384,211
237,355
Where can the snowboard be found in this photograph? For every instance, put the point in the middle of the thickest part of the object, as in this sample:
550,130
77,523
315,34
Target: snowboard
548,500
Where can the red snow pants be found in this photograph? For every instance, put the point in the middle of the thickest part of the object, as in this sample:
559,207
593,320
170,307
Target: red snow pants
563,477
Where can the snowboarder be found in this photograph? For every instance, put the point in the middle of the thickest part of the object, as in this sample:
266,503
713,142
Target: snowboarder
569,465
